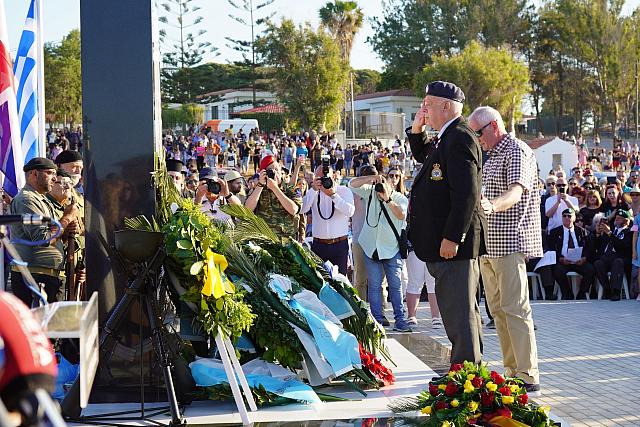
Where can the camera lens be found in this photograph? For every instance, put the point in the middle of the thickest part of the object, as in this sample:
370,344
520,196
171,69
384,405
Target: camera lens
271,174
379,188
326,182
213,186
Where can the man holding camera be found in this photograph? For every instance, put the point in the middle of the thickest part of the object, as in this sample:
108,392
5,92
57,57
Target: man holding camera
275,201
212,193
555,205
331,207
386,210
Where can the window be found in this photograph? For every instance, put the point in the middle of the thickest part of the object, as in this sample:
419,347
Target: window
556,159
214,112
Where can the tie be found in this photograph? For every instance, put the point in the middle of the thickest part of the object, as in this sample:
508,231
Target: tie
571,244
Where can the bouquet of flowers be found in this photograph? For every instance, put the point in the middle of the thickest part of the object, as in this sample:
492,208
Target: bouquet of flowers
470,394
374,367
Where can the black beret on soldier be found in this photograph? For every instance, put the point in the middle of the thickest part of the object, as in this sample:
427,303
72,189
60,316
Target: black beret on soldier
68,156
39,163
445,90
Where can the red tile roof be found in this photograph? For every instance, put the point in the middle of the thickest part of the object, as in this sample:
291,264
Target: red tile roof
269,108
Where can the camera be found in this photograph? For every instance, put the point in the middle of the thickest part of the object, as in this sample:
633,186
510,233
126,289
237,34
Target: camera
271,174
562,190
326,180
213,186
379,188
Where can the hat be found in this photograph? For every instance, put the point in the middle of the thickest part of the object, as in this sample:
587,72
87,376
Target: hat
39,163
231,175
175,165
445,90
623,213
587,172
68,156
266,161
63,173
207,173
568,211
634,189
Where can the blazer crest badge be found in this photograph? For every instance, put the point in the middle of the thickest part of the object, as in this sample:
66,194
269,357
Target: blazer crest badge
436,172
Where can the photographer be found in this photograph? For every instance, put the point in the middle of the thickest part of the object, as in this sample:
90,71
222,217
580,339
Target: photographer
275,201
331,207
213,192
380,245
555,205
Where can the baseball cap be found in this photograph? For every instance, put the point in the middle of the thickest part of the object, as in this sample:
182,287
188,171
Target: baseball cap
207,173
231,175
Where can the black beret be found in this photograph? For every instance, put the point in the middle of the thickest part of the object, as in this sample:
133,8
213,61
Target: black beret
445,90
68,156
39,163
175,166
63,173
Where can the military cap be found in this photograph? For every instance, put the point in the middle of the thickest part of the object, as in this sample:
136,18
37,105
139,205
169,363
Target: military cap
445,90
39,163
568,211
63,173
68,156
623,213
175,166
231,175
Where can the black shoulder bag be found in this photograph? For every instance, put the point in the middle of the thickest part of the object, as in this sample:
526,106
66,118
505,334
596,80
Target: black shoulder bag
402,237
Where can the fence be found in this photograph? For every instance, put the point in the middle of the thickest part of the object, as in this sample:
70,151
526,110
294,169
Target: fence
375,124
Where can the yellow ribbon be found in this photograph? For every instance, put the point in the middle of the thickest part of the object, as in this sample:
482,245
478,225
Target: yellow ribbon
215,281
506,422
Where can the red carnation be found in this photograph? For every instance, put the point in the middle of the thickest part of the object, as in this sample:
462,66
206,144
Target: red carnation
523,399
504,412
486,398
496,378
433,389
477,382
456,367
441,405
451,389
505,391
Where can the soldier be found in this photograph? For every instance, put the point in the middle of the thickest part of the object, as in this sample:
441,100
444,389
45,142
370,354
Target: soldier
44,260
275,201
175,169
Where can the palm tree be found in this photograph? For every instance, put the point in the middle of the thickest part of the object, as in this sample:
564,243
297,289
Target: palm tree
343,19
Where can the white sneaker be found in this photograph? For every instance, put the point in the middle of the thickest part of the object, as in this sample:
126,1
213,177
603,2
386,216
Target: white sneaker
412,320
436,323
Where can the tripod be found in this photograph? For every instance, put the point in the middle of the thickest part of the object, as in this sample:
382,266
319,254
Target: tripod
141,287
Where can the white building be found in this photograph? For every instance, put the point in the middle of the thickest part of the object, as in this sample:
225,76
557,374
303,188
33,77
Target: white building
387,112
233,101
551,152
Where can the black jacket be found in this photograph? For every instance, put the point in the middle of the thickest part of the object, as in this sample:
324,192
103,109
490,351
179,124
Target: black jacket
445,195
622,245
556,240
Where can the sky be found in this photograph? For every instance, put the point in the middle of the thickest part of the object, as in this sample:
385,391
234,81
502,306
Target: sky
61,16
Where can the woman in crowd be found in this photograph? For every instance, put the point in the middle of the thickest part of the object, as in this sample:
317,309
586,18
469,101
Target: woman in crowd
396,179
613,202
593,203
580,194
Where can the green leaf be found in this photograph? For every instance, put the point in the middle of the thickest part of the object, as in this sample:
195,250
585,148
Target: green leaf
196,268
184,244
219,304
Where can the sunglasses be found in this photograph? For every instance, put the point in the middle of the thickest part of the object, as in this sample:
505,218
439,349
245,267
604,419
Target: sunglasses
561,185
393,175
567,215
479,131
551,184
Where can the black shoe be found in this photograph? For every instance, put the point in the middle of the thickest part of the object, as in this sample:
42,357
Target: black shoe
615,297
533,390
491,324
535,328
581,295
385,322
552,297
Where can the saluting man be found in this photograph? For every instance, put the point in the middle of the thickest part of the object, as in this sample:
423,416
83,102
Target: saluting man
447,222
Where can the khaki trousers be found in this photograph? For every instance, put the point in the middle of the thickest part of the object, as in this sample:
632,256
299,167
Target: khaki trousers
507,292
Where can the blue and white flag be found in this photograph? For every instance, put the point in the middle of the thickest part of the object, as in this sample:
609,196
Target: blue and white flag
26,71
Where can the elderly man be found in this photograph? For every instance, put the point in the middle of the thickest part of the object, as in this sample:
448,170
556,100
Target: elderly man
510,201
614,250
44,260
275,201
447,225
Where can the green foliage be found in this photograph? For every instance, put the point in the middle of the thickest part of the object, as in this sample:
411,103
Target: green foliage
410,33
267,121
393,78
488,76
185,115
343,19
309,73
62,80
365,81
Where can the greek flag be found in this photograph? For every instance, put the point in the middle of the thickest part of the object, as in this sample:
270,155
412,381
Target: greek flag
26,70
11,159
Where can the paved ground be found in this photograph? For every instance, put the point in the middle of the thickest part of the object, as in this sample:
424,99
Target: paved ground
589,355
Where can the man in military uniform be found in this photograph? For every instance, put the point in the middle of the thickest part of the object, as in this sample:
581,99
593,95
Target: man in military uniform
176,170
45,259
276,202
447,223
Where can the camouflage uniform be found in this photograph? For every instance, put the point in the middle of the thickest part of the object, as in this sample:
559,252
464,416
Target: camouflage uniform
275,215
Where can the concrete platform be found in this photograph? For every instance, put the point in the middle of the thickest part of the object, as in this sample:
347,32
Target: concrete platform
412,376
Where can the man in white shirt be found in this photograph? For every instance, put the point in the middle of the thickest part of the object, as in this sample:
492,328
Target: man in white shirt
555,205
212,193
331,207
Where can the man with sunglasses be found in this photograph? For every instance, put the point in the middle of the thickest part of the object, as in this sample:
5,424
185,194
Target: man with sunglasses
554,205
510,201
447,223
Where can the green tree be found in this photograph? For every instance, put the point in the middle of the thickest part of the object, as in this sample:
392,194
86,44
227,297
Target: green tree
365,81
308,72
411,32
63,81
250,20
182,48
343,19
488,76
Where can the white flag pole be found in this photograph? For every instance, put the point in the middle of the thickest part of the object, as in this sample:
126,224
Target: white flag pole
42,135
